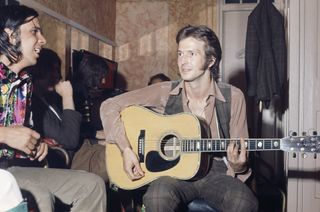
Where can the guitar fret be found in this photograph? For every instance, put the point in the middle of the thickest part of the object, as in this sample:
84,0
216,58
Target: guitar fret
267,144
205,145
220,145
253,144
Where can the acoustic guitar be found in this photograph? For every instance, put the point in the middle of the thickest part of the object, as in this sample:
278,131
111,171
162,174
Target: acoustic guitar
171,145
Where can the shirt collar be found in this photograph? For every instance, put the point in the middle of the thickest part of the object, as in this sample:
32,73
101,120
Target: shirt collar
6,73
11,76
214,90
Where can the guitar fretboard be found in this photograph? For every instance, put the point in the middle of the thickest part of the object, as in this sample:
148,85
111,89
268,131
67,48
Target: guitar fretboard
220,145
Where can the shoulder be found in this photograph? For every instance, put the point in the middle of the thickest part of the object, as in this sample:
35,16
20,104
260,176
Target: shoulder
237,95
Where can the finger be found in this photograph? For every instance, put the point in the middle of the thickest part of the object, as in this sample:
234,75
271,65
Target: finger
243,148
129,172
33,154
235,150
33,141
35,135
139,169
31,145
230,147
44,152
40,149
26,150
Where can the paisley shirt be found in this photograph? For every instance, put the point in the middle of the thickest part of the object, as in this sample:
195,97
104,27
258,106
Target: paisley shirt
15,101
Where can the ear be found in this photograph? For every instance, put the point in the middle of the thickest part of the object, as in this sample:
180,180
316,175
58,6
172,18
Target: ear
212,61
12,39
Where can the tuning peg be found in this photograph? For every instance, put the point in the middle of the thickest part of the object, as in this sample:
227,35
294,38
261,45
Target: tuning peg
314,133
304,133
292,133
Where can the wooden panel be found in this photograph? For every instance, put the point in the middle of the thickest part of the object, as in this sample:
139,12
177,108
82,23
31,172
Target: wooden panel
98,15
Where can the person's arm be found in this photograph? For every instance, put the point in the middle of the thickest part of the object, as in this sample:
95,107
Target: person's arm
23,139
67,130
238,129
154,96
64,89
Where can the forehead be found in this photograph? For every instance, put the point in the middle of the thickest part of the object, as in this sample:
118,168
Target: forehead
191,43
30,24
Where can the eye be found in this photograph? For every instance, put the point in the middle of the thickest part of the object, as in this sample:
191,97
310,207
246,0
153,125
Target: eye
179,54
34,31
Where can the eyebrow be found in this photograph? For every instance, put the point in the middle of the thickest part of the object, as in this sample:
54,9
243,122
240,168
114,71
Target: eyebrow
36,27
190,50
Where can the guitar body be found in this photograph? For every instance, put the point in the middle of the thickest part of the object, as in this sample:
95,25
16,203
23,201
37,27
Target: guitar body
156,139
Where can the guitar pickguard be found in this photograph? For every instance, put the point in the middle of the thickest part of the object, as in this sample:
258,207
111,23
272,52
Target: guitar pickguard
155,163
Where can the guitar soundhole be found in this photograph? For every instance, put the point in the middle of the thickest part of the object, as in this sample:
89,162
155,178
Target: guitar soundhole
170,147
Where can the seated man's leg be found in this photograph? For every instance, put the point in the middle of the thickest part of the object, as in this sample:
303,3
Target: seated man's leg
10,194
167,194
227,193
84,191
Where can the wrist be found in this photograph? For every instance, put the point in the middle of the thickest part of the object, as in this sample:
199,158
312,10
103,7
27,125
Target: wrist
241,170
126,149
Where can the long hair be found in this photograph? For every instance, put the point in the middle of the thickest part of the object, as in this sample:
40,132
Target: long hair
212,45
12,17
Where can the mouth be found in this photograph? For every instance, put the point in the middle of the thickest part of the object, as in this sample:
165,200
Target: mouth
185,69
37,51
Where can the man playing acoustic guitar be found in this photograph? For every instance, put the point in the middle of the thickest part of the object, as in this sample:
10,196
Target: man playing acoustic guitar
220,106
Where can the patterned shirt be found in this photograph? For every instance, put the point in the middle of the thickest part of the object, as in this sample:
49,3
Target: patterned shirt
15,100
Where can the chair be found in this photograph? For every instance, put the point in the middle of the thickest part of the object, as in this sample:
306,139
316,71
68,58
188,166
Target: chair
57,157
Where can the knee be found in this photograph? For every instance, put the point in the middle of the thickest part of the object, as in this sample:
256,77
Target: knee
39,198
94,185
242,200
162,191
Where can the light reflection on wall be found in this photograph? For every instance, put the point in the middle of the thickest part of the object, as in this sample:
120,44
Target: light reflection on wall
79,40
145,45
123,52
105,50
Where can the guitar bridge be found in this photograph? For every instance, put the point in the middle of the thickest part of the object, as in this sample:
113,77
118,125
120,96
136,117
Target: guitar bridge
141,142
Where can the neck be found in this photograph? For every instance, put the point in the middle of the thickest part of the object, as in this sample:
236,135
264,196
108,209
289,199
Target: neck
199,88
15,67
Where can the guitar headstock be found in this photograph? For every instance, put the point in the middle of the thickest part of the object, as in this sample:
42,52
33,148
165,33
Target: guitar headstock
304,143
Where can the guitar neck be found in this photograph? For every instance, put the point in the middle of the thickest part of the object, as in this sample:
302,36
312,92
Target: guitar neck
220,145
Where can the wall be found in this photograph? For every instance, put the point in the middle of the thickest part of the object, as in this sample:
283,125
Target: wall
304,106
145,36
97,16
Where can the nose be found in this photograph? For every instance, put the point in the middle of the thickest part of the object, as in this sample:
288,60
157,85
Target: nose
184,59
41,39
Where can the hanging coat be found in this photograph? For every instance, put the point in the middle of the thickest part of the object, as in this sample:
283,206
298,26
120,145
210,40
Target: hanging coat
266,54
